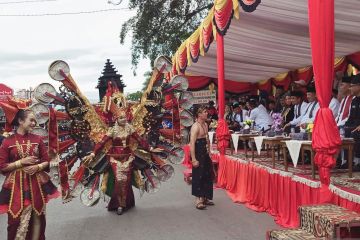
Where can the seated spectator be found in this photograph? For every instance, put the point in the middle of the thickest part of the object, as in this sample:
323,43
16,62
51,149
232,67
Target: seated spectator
311,109
212,112
279,92
237,117
299,109
271,107
287,112
228,114
260,116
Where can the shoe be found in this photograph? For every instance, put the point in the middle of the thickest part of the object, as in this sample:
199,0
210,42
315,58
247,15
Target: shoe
207,202
119,211
200,206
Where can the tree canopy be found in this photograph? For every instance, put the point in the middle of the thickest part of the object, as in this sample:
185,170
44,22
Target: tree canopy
136,96
160,26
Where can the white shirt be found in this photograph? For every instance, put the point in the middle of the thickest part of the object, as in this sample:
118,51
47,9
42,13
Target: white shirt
236,117
297,118
261,117
306,118
334,106
339,116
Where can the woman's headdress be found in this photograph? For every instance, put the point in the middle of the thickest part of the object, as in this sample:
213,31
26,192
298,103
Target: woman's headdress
11,107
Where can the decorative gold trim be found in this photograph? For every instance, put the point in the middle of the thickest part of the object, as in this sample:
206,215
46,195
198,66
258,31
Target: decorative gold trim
20,149
12,194
32,195
22,144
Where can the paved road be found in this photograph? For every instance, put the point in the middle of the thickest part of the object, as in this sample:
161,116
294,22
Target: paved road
166,215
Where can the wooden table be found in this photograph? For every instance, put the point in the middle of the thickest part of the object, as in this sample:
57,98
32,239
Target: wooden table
272,142
346,143
244,138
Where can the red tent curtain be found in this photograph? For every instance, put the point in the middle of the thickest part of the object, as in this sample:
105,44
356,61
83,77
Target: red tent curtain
354,59
326,138
201,82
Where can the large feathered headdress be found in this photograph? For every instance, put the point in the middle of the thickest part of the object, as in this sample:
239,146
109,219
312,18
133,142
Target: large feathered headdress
115,103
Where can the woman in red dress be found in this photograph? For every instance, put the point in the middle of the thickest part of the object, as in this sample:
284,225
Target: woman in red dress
27,187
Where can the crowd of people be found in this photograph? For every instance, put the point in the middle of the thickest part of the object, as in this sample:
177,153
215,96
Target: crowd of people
297,109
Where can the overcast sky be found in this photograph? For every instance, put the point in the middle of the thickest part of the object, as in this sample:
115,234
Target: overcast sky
29,44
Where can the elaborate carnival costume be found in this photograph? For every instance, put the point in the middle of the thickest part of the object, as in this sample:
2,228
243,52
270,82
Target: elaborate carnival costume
123,140
112,155
23,196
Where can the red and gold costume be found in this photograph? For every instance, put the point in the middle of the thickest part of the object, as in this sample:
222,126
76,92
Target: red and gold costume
120,157
22,194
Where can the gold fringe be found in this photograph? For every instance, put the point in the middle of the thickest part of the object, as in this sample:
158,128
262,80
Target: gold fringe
24,224
104,182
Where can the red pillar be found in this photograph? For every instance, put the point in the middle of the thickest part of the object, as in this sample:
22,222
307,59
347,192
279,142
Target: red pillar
221,74
222,131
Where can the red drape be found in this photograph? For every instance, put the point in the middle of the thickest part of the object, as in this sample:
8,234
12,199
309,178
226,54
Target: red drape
326,138
278,195
354,59
201,82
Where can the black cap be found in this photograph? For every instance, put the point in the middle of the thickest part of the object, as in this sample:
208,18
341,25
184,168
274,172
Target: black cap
355,79
296,94
311,88
346,79
235,105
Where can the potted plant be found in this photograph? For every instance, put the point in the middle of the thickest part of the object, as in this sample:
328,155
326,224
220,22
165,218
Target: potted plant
247,125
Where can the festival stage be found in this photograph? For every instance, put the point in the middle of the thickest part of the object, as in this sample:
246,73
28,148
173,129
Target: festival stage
278,192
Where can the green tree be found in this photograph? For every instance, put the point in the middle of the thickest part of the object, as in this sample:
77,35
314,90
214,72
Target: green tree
136,96
160,26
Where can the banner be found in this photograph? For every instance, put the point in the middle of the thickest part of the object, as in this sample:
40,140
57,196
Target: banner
203,97
5,92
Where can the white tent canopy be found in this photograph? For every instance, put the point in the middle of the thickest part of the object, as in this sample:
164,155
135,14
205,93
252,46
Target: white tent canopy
274,39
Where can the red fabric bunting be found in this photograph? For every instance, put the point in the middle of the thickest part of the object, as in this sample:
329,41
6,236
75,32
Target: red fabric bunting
265,86
195,50
183,60
354,59
207,36
222,18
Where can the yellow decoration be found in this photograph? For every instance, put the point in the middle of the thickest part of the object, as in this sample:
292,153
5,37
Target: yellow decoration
309,127
280,77
349,69
338,61
305,69
218,6
262,82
